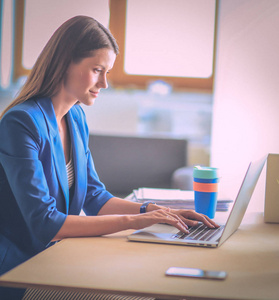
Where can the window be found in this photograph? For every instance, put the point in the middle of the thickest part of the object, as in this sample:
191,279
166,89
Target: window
36,21
175,40
6,45
185,28
41,20
164,39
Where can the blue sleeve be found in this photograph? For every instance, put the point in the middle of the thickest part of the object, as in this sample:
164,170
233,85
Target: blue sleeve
97,195
20,146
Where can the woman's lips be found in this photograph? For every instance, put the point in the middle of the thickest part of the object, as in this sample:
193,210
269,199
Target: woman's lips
95,94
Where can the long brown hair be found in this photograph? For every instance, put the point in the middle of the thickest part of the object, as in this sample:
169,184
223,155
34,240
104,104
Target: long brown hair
72,41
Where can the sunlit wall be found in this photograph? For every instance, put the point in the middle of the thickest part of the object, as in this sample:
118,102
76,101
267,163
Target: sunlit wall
246,106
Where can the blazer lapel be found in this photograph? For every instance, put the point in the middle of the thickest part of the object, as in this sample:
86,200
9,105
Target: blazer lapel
80,161
57,148
60,166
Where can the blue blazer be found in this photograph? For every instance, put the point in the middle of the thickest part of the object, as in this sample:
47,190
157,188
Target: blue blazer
34,193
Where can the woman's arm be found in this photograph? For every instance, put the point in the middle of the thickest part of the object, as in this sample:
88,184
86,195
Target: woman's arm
119,214
81,226
121,206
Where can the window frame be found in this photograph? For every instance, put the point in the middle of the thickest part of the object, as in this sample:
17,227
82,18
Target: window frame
18,68
117,77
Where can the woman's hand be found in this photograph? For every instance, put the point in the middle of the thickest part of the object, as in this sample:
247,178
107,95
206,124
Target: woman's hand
179,218
191,218
188,217
140,221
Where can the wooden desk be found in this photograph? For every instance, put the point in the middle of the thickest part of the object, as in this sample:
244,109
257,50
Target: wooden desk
112,264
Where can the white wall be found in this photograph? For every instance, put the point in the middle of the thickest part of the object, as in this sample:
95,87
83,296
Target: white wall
246,104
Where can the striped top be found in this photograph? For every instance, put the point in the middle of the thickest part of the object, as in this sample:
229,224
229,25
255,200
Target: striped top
70,172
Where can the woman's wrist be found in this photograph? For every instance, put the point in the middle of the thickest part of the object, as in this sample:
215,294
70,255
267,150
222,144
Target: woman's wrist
144,206
154,206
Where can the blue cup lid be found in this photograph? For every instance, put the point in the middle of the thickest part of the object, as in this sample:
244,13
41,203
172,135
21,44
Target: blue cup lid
205,172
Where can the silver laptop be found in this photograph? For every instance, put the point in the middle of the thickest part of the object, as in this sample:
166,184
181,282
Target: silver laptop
201,235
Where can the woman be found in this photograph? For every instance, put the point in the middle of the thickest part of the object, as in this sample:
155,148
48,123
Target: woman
47,174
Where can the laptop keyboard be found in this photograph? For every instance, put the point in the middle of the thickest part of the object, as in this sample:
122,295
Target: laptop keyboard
199,233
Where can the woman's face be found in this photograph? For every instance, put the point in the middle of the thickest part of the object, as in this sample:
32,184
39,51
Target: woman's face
85,79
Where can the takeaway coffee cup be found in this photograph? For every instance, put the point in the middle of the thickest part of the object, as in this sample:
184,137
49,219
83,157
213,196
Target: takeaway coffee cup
205,189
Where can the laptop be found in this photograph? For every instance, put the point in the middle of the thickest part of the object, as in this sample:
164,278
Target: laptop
201,235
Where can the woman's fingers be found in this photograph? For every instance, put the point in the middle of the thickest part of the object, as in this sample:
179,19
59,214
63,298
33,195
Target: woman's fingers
166,216
180,219
192,218
177,222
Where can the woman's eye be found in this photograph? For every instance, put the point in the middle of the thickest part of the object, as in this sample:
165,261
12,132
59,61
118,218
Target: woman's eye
99,71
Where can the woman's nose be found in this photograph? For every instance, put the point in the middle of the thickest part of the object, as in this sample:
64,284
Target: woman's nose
102,82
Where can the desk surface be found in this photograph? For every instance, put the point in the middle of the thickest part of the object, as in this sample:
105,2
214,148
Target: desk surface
112,264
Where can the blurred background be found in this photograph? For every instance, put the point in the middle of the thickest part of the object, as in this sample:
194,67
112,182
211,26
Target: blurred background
205,71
